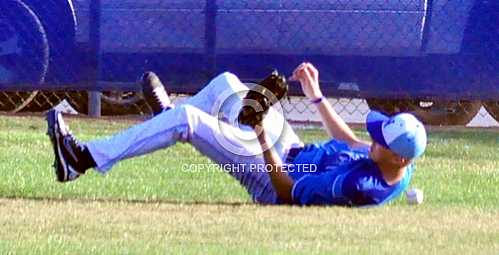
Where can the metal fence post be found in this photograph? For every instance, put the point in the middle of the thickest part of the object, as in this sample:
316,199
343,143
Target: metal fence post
94,97
94,104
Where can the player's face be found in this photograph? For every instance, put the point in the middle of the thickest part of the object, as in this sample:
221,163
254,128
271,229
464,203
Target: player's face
378,153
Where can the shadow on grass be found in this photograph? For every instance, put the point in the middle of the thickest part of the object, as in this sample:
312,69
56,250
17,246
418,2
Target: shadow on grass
128,201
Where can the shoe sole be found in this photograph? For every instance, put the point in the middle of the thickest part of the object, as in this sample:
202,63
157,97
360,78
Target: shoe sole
60,165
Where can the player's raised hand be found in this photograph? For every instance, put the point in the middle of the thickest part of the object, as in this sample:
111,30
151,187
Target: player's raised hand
308,76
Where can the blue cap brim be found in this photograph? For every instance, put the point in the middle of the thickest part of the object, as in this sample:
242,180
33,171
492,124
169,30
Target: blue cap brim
374,125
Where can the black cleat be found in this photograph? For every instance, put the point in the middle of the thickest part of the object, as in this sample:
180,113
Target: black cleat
155,93
66,148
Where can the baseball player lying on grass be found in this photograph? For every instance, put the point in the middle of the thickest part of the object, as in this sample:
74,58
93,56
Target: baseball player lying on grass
264,156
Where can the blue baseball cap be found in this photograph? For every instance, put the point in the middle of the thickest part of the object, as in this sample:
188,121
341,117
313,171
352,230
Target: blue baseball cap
403,133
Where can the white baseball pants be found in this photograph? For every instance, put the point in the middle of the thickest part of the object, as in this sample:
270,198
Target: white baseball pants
204,121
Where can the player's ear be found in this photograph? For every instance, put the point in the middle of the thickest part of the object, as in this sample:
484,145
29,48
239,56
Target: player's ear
402,161
398,160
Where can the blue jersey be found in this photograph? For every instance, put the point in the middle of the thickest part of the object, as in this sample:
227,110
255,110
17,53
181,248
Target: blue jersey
342,176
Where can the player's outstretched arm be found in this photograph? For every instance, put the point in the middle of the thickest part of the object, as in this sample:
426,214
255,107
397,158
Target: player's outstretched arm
282,183
308,76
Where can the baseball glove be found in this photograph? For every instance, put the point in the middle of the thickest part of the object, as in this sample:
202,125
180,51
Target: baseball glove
258,100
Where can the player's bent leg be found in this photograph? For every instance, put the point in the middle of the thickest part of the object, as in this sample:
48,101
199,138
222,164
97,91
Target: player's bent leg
220,96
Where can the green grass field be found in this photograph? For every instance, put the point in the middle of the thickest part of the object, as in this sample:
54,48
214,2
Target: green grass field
148,205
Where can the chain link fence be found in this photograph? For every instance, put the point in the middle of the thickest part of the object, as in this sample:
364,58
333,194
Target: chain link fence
437,59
